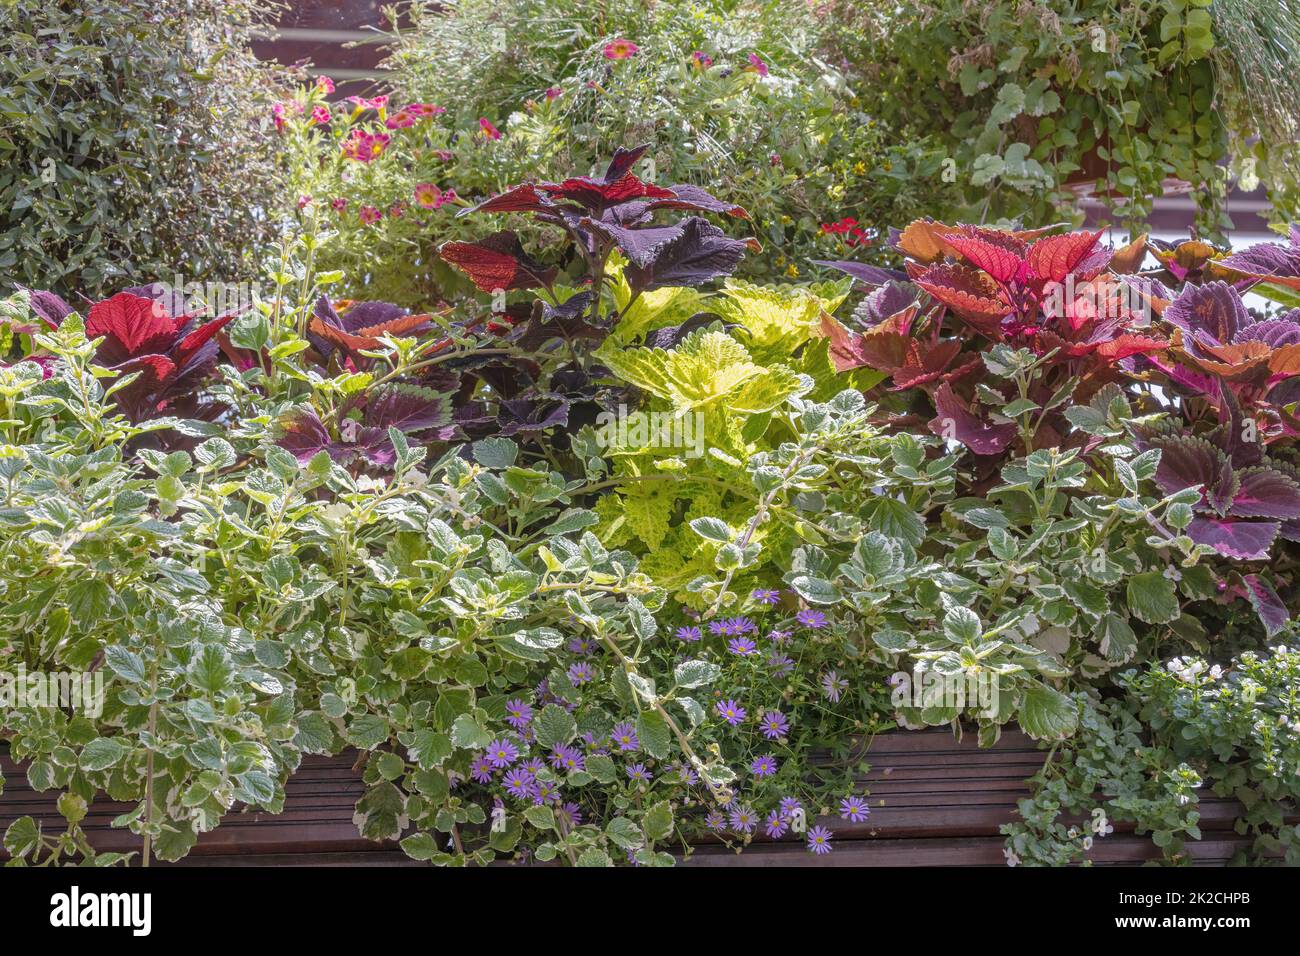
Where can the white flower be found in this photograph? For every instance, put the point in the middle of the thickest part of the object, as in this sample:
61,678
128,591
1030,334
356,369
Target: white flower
1172,573
1012,859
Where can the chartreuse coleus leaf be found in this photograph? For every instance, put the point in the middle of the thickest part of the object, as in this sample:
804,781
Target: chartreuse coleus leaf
708,368
776,321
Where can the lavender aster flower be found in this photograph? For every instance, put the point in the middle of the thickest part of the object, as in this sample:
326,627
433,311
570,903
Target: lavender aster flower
581,645
741,646
502,753
766,596
548,791
774,724
776,825
789,805
518,713
812,619
638,772
686,773
730,711
580,673
533,765
819,840
565,757
854,809
780,637
714,820
781,664
763,766
624,736
569,814
480,769
520,783
688,634
833,685
742,819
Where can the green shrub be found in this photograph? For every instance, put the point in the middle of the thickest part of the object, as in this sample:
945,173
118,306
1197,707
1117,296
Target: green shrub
782,134
129,141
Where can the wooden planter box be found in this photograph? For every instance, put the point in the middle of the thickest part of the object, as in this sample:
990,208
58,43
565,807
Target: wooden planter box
934,802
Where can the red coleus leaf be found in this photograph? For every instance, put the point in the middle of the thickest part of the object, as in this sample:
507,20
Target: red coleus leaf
498,262
131,326
597,195
956,421
1054,258
999,254
523,198
972,295
1122,346
369,336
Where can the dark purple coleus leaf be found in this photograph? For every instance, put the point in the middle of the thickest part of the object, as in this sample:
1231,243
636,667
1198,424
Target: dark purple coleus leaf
1241,540
50,308
529,417
570,321
1211,314
358,328
671,336
411,409
956,421
879,304
699,253
872,275
1273,614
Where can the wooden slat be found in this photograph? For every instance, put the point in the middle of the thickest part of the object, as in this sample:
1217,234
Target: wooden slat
933,801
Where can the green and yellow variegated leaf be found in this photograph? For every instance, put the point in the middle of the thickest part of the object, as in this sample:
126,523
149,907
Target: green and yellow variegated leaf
776,321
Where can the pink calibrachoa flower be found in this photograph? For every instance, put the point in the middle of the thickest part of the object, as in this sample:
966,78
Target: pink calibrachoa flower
621,49
402,119
324,84
553,92
490,131
430,196
320,115
365,147
338,205
396,210
304,201
361,103
702,60
279,111
423,109
757,63
370,214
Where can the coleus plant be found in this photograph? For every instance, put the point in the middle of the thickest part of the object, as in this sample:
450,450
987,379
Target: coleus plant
148,332
967,289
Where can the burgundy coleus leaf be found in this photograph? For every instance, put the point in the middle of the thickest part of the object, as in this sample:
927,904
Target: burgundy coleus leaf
597,195
1263,492
304,435
1056,257
497,263
1211,313
360,328
1272,262
131,326
1273,614
956,421
568,322
686,196
47,306
889,347
521,198
1242,540
671,336
641,246
1001,255
697,254
879,304
408,408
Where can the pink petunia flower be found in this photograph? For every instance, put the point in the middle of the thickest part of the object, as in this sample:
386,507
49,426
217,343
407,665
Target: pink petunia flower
757,63
428,196
370,214
338,205
324,84
423,109
365,147
402,119
490,131
320,115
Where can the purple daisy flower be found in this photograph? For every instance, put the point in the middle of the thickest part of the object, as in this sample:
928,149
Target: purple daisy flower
534,765
721,628
502,753
819,840
688,634
811,618
781,664
763,766
789,805
741,646
624,736
581,645
569,814
714,820
780,637
854,809
731,712
774,724
742,819
564,757
833,685
766,596
638,772
548,791
520,783
580,673
518,713
480,769
595,744
686,773
776,825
